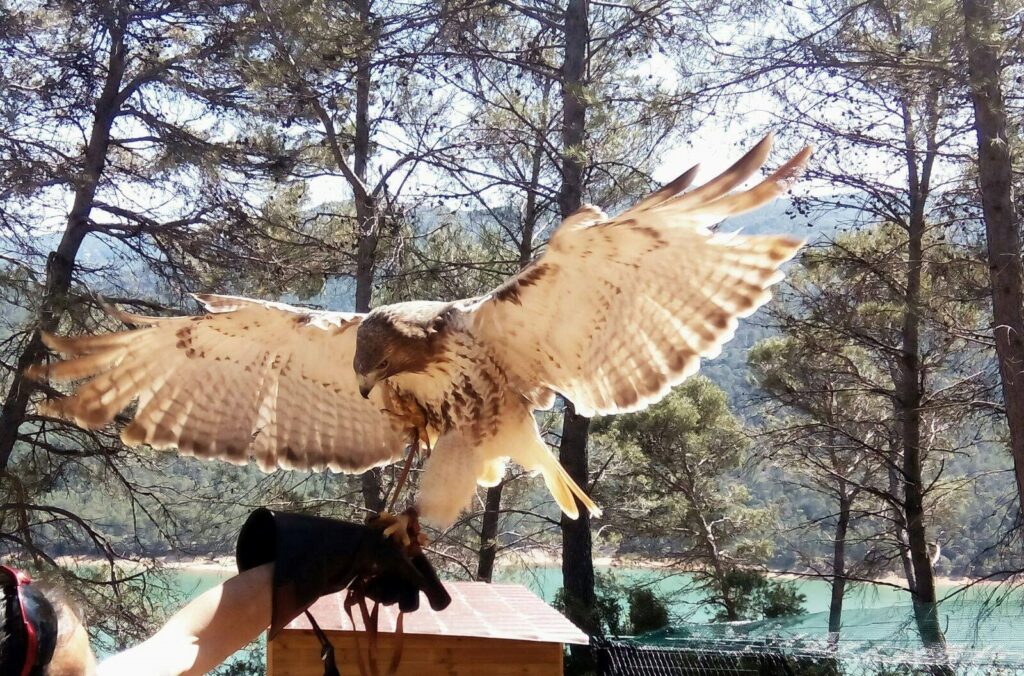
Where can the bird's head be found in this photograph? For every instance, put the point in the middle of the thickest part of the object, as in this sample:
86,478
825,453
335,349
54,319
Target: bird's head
394,339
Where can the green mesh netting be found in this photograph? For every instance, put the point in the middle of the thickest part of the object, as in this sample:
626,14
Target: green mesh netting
982,637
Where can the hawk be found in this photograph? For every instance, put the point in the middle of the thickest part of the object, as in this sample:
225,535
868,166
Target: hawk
613,314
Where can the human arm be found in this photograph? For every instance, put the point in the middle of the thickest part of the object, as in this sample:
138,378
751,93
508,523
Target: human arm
205,632
287,561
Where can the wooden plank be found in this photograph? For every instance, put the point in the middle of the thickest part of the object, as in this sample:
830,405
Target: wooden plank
297,653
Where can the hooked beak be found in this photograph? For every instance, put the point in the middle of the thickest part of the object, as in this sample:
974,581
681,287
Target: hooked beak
366,384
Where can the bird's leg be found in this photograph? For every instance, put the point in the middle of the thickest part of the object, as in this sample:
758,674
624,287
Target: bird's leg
404,528
400,418
406,467
414,420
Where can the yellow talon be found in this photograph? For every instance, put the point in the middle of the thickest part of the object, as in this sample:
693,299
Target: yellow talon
399,530
404,528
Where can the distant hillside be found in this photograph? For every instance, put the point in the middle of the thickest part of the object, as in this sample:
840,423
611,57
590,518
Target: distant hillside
780,217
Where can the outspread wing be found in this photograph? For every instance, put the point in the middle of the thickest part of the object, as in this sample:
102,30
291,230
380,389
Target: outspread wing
247,379
618,310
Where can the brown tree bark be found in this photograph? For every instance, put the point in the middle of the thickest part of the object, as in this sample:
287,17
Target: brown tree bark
61,263
1006,272
488,551
577,546
911,388
835,606
911,399
577,549
367,220
365,206
706,540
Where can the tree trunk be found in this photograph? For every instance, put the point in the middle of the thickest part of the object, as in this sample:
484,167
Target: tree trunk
371,484
577,553
61,263
488,550
911,386
721,574
899,520
720,568
835,606
910,402
1004,253
365,205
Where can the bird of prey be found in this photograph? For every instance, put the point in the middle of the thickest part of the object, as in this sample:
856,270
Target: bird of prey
613,314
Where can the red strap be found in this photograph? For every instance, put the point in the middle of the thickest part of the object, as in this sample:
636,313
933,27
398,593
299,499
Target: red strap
32,648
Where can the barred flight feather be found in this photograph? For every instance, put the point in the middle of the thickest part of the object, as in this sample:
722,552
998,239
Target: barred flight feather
617,311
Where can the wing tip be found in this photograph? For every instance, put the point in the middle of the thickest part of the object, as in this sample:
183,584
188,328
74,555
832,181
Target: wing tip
792,169
65,345
215,302
767,141
133,435
786,248
128,318
679,183
758,155
49,408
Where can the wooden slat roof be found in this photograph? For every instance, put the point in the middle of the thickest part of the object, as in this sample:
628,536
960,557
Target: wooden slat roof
478,610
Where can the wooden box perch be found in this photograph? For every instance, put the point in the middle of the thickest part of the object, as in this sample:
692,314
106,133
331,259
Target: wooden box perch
494,629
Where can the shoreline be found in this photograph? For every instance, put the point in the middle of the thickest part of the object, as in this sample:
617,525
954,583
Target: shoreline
524,558
219,564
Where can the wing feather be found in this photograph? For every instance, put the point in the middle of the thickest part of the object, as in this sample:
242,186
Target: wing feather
249,379
618,310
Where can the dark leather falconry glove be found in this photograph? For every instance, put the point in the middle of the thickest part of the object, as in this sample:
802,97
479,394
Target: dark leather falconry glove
314,556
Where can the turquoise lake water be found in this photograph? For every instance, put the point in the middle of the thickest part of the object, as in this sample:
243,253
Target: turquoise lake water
983,617
685,603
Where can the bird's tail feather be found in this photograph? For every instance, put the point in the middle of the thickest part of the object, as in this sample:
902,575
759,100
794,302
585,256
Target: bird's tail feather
563,488
520,439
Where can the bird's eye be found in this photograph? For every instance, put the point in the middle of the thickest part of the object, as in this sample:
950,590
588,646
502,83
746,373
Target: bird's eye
383,365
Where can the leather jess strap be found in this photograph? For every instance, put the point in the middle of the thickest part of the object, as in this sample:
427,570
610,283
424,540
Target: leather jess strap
371,618
326,648
368,663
